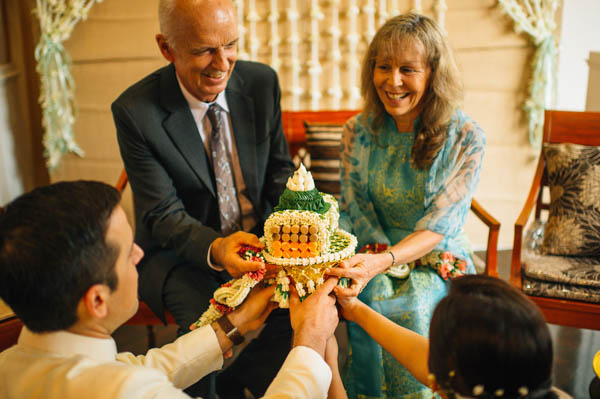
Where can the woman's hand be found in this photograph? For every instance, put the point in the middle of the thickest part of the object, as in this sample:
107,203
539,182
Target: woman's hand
360,268
348,306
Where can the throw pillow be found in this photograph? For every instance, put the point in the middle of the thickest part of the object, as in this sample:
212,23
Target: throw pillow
323,144
573,226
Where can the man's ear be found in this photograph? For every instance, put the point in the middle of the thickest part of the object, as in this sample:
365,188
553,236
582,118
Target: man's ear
95,301
164,47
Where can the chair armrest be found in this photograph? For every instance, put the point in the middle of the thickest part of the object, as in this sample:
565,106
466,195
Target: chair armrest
534,191
491,258
122,182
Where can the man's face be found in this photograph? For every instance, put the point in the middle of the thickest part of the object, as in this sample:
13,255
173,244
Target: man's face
123,302
204,49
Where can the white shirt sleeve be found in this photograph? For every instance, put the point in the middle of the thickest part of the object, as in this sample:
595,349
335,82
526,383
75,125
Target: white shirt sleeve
212,265
304,375
184,361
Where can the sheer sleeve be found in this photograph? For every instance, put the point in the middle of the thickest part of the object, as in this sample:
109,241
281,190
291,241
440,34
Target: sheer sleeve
357,211
453,178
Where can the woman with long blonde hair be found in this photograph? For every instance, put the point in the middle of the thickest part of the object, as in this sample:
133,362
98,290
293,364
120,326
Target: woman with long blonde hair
410,163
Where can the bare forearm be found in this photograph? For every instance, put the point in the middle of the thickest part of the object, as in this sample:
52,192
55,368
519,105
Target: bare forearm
411,248
406,346
336,389
415,245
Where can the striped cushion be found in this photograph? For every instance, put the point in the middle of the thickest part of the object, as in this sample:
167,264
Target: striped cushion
323,144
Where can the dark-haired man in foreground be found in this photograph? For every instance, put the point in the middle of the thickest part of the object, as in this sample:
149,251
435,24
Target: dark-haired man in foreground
68,270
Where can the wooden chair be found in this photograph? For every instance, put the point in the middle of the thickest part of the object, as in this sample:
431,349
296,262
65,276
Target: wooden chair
294,128
10,325
144,316
559,127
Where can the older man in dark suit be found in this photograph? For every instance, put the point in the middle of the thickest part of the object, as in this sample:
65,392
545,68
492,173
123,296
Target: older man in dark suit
207,159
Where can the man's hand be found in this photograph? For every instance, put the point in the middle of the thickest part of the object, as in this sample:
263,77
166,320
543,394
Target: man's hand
255,309
315,319
224,252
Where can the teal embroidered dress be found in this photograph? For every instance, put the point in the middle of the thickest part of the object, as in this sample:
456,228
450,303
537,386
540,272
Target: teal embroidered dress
384,199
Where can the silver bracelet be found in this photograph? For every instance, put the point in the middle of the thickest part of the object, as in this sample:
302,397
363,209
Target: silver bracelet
393,258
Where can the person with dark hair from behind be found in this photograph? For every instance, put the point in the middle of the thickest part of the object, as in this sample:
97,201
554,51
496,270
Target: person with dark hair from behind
486,340
68,270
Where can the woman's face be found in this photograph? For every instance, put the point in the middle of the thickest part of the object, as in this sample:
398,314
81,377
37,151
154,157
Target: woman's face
401,81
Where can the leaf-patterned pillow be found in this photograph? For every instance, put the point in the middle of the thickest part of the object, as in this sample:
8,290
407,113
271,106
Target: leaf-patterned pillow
323,142
573,226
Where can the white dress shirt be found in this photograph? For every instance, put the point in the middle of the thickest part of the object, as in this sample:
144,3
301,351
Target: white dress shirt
66,365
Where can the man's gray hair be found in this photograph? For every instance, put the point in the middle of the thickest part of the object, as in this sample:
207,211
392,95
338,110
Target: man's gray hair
166,17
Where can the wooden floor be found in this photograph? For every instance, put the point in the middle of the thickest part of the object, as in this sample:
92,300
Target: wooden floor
574,348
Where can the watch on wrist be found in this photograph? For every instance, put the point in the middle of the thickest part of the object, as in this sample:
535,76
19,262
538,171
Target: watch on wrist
230,330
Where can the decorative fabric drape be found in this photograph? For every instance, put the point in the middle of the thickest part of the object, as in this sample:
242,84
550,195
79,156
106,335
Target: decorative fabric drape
57,20
536,18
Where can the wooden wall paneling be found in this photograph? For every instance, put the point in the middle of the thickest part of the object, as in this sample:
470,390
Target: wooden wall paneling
502,68
592,102
480,28
118,8
114,38
73,168
100,83
494,62
505,175
501,113
470,4
96,135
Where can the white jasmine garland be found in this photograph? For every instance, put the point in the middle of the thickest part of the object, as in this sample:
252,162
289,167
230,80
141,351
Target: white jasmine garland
57,19
536,18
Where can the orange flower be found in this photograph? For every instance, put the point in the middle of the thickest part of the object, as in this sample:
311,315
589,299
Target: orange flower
448,257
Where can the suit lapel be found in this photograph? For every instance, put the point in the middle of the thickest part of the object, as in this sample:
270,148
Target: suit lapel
241,111
182,129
